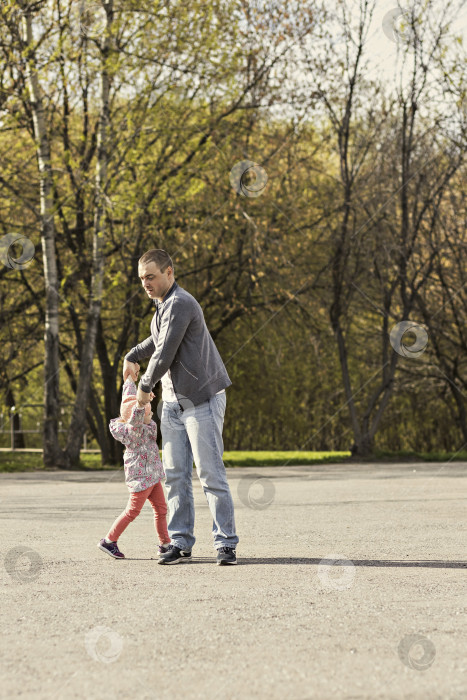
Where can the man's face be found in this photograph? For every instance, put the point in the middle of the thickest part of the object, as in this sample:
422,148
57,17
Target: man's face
156,283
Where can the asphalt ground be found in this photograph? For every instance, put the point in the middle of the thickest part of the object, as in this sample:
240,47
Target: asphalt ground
350,583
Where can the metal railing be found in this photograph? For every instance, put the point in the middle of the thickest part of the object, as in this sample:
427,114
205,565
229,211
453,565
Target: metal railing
24,427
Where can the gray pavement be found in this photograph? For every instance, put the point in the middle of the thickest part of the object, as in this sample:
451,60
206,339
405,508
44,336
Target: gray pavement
351,583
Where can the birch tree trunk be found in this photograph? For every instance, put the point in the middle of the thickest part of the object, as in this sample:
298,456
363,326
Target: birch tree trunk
78,420
52,451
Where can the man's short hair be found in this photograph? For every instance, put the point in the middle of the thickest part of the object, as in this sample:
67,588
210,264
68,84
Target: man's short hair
158,256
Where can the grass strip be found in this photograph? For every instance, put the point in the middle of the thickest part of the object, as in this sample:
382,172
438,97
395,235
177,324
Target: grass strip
32,461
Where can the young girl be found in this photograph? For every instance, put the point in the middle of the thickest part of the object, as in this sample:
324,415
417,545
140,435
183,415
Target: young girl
143,469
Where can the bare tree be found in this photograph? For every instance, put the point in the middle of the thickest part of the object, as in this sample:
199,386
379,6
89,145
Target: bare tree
78,421
401,138
52,452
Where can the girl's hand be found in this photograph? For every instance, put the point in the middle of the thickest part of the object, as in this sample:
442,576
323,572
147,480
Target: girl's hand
142,405
130,369
143,398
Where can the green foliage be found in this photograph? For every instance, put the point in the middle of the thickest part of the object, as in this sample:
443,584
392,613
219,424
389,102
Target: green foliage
27,461
196,88
32,461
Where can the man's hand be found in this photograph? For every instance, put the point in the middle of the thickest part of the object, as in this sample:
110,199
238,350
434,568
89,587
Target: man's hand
143,398
130,369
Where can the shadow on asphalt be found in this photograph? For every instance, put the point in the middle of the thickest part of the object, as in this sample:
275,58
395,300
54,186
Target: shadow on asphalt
326,562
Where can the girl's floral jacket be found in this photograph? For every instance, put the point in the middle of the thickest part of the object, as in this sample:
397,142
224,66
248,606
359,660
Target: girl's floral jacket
143,466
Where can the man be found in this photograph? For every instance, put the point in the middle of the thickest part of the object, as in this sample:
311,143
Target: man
186,360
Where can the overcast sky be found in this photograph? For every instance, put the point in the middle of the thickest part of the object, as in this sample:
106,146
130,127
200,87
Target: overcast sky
382,48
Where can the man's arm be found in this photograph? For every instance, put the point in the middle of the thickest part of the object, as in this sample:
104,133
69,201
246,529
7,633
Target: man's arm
139,352
173,328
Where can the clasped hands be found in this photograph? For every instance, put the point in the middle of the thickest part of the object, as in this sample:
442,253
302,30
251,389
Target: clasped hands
131,369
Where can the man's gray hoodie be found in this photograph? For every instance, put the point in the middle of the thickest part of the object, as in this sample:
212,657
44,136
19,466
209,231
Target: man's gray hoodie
180,341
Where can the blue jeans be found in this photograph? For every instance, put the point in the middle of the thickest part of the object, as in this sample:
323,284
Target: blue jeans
196,433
